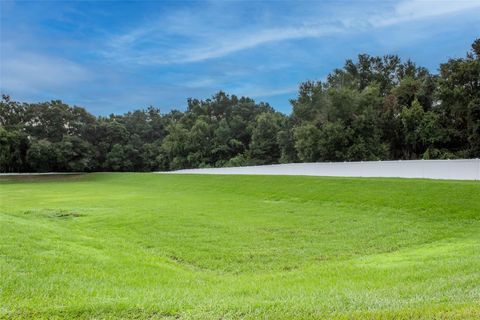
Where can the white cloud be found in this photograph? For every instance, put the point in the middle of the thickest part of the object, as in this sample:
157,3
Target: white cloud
123,48
260,92
204,82
131,47
251,40
422,9
32,72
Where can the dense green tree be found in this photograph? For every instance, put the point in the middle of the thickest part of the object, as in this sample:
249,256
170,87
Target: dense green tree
117,159
264,148
199,143
14,145
334,141
42,156
307,138
12,114
74,154
175,147
459,102
372,108
286,142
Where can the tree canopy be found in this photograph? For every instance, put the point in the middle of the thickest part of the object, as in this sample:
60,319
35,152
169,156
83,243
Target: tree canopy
374,108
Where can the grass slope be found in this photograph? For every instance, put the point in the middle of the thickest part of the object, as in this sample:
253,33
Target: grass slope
209,247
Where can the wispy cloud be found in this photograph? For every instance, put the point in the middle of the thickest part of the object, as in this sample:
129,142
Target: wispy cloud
423,9
33,72
263,91
124,48
196,42
114,57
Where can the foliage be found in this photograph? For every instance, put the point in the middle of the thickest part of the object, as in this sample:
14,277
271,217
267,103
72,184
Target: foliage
374,108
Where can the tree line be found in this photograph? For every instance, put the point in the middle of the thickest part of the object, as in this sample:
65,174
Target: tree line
374,108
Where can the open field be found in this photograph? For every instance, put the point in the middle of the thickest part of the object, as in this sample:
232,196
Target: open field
227,247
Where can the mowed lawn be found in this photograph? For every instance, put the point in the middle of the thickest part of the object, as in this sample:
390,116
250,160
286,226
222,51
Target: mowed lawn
148,246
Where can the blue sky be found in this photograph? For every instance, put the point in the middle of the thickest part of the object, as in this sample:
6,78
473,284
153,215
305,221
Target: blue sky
112,57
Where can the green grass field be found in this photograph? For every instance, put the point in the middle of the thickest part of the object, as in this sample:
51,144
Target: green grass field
148,246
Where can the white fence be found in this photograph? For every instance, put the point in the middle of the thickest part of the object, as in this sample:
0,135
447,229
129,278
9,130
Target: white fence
467,169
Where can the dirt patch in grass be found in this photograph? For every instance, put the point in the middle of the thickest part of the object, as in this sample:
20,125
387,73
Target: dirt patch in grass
54,177
55,213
